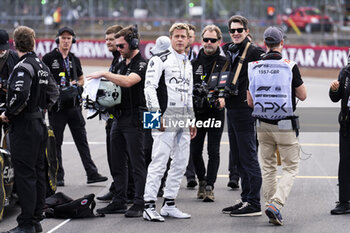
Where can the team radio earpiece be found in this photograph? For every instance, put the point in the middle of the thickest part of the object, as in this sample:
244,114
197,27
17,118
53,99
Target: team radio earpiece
133,39
57,40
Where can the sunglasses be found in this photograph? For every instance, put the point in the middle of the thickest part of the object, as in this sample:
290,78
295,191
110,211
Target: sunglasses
121,46
212,40
239,30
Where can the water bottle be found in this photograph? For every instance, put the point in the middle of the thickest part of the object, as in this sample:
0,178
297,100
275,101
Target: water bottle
63,79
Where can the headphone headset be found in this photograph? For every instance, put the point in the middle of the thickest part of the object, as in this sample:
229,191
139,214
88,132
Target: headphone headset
57,40
132,38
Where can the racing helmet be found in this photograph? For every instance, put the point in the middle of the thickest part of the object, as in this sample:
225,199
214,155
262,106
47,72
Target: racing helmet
108,94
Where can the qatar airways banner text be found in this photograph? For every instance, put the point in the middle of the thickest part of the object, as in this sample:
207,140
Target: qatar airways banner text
305,56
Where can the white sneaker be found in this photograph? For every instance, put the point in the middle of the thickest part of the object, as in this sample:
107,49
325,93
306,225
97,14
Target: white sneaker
151,214
173,211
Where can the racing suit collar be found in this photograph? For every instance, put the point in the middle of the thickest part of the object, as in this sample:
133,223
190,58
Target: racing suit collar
181,56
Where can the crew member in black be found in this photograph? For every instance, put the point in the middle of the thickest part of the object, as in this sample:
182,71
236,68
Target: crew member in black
31,89
209,61
110,43
127,132
232,164
8,59
340,90
240,123
66,70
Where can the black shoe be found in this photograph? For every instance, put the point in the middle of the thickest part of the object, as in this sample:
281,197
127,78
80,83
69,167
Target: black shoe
247,210
38,228
107,197
191,182
236,206
60,183
129,201
113,208
341,208
134,211
233,184
96,178
27,229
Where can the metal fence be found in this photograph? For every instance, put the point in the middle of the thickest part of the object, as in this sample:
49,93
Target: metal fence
90,18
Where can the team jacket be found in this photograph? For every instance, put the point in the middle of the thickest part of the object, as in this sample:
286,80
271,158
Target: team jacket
169,84
30,87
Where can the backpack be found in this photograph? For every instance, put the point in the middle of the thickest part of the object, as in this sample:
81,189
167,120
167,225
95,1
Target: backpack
62,206
51,163
6,179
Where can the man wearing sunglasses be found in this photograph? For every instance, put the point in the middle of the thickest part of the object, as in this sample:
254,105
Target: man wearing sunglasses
240,123
111,45
210,61
127,134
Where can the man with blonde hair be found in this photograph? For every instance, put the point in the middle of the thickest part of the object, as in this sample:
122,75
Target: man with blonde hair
168,92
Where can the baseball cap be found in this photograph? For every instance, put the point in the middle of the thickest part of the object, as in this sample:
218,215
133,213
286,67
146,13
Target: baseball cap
162,43
65,29
4,40
273,35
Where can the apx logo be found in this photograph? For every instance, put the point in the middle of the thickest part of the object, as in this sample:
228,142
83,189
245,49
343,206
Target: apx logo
151,120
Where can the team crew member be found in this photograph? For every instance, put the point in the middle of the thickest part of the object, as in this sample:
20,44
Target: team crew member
31,89
66,70
340,90
111,45
240,123
276,127
8,59
209,61
168,91
127,134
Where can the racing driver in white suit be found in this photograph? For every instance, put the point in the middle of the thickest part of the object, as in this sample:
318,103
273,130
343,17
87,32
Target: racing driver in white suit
168,91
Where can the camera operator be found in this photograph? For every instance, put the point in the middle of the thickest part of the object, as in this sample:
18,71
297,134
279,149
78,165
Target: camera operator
240,122
8,59
127,134
209,62
67,71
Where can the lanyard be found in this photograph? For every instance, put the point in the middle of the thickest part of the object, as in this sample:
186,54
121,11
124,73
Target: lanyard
66,65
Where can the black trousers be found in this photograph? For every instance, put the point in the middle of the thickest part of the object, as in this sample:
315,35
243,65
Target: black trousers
344,165
28,139
131,188
213,148
76,123
242,137
127,138
232,167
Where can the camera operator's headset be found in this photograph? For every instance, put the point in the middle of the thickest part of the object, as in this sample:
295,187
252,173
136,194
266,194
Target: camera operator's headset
57,40
133,38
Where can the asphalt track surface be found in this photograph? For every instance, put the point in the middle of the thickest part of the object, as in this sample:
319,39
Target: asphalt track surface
307,210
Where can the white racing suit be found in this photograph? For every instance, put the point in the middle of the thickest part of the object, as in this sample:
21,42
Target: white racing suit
168,88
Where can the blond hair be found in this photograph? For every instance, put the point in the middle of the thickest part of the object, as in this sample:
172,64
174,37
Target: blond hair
179,26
